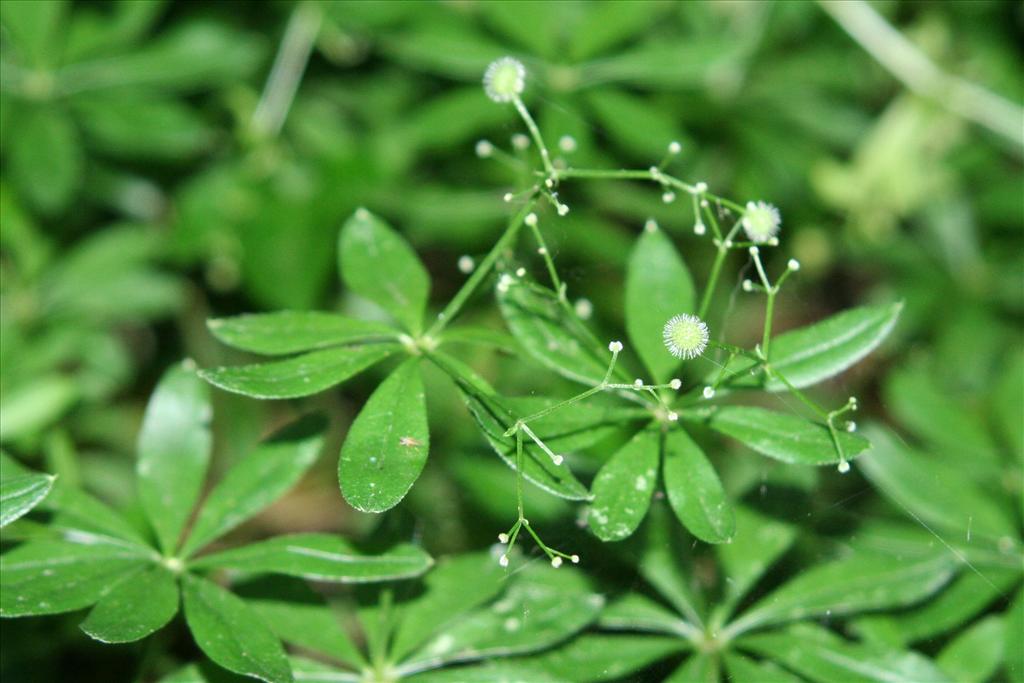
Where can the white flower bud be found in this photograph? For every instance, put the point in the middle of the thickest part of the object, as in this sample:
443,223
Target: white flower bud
520,141
567,144
843,467
503,560
676,384
699,228
674,147
556,562
502,538
793,264
484,149
668,197
466,264
531,219
615,346
709,392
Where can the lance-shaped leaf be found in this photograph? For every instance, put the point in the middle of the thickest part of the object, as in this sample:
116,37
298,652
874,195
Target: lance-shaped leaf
859,583
457,584
494,418
602,657
820,656
231,633
623,487
387,445
80,517
663,565
134,608
302,375
658,286
785,437
21,489
300,616
636,612
745,670
551,335
932,489
320,557
759,541
174,451
694,490
284,332
974,655
377,263
814,353
1013,645
257,481
523,670
542,607
700,668
52,576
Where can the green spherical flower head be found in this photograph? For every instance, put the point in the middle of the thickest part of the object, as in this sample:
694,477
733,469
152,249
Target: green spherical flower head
686,336
504,79
761,222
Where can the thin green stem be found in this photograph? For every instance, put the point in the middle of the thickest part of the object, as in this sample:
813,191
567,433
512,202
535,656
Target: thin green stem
709,290
454,307
542,248
545,156
286,73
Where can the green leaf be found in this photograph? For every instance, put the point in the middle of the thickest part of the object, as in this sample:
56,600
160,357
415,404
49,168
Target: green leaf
570,428
493,418
30,407
457,584
20,489
623,487
387,444
192,56
174,451
919,401
320,557
257,481
35,29
1013,645
933,490
635,612
134,608
600,657
617,112
377,263
311,671
302,375
662,565
79,516
745,670
141,126
52,576
821,656
299,616
523,670
784,437
694,490
550,335
700,668
231,633
541,607
285,332
204,672
1008,405
857,584
658,286
975,654
44,158
966,596
759,541
814,353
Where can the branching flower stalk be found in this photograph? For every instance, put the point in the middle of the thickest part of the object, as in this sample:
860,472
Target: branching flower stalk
686,335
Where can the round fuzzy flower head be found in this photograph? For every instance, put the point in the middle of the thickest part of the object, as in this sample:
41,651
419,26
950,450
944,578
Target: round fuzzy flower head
504,79
686,336
761,222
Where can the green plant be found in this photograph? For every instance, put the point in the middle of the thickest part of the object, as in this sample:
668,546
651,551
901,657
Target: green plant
387,445
89,555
